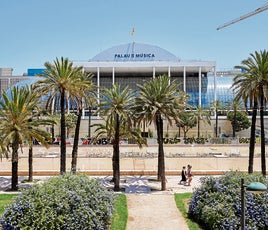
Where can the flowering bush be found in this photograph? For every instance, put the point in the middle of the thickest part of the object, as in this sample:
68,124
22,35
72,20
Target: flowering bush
217,203
64,202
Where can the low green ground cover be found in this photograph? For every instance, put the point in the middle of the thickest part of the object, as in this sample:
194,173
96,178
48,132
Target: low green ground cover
216,204
182,201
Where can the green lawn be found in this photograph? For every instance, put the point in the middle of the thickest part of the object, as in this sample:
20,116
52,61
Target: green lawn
182,200
4,200
120,214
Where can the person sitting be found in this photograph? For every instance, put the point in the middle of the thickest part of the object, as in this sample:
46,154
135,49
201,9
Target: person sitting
183,175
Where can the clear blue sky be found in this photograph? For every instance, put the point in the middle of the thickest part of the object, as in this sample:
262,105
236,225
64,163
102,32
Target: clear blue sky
36,31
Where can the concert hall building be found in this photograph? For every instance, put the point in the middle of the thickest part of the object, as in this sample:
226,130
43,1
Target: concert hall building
133,63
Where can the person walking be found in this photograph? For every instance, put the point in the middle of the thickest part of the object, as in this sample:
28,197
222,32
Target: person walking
183,176
189,175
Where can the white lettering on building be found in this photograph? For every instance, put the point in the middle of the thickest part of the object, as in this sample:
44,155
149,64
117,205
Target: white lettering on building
133,56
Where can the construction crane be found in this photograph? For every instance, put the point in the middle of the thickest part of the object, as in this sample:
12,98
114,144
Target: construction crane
258,10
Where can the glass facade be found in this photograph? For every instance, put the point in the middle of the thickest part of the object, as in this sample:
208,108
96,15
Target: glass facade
223,89
224,92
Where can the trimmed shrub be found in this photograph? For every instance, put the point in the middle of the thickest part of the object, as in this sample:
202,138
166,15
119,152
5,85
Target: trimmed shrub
64,202
197,140
217,203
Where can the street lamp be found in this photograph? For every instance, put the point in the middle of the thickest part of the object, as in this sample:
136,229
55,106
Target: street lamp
252,187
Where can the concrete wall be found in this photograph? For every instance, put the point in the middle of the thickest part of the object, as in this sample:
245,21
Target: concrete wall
4,72
97,160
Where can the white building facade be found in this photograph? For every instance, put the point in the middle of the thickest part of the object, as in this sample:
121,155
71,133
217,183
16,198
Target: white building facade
133,63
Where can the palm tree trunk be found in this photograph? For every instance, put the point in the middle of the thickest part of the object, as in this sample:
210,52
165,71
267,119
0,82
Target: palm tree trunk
161,156
63,135
263,160
198,127
116,162
252,138
76,140
14,180
30,163
15,159
89,123
216,123
53,133
67,132
234,123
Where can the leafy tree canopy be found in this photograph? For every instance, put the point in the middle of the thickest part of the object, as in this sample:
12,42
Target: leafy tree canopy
242,122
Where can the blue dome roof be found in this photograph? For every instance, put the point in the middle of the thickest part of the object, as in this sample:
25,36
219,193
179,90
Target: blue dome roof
22,83
28,81
135,52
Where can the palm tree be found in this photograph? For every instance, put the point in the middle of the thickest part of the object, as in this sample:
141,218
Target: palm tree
124,131
85,94
160,99
250,85
76,140
91,101
56,117
70,122
242,85
44,141
201,114
116,108
234,108
60,79
4,150
216,106
20,122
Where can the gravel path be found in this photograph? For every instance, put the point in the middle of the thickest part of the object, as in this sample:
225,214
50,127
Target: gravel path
149,208
154,212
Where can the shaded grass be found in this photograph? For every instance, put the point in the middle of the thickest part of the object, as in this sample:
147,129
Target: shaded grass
182,200
120,215
4,200
27,181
